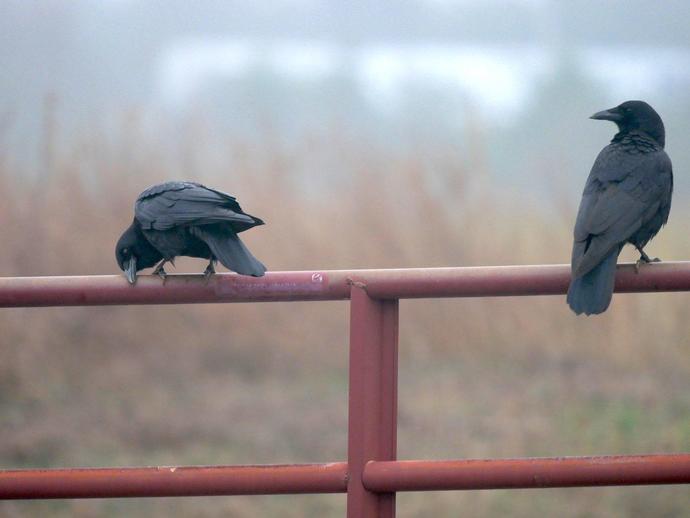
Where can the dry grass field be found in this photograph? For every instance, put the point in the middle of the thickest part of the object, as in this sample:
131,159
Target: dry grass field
226,384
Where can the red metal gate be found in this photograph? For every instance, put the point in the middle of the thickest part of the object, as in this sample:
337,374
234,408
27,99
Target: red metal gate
371,476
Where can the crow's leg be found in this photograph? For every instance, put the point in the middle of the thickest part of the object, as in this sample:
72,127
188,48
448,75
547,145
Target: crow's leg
644,259
210,269
160,271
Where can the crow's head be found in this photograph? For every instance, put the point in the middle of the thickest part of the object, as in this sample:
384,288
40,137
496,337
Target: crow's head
133,252
635,115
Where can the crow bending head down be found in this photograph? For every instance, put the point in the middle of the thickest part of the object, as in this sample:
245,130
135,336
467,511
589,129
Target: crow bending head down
186,218
627,199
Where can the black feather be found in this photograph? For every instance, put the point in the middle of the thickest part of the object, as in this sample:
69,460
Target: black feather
591,293
627,199
230,251
186,218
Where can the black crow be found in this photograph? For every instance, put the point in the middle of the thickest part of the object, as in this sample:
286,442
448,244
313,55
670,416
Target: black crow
186,218
627,199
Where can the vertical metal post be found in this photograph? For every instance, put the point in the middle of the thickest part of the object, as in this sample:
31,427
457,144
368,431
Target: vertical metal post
373,399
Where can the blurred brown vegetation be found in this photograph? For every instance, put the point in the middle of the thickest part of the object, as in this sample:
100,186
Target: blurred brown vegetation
226,384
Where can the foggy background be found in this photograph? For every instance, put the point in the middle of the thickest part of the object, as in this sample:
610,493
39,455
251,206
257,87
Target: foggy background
367,134
519,75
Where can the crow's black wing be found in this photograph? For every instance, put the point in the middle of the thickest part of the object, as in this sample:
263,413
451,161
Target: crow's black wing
622,193
174,204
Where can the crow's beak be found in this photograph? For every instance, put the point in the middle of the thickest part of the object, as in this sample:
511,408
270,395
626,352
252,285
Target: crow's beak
131,270
608,115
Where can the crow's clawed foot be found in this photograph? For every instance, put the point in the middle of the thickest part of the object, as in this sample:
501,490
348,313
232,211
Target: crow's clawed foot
637,265
160,271
644,259
210,270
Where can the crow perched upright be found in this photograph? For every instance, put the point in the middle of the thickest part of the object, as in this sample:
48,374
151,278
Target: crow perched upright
186,218
627,199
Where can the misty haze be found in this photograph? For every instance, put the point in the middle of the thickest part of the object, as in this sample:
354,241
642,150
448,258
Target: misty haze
366,134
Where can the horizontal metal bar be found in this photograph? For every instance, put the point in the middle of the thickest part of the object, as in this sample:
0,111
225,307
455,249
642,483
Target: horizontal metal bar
173,481
501,281
378,476
419,475
484,281
100,290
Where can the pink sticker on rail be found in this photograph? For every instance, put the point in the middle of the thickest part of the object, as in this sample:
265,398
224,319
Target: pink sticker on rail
278,285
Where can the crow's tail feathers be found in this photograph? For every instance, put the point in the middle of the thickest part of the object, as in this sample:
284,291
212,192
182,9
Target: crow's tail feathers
591,293
231,252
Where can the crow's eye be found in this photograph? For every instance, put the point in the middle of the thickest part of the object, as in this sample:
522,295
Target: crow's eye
125,251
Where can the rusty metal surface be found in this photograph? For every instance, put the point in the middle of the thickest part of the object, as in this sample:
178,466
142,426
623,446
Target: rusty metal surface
494,281
482,281
178,289
371,476
173,481
373,386
420,475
